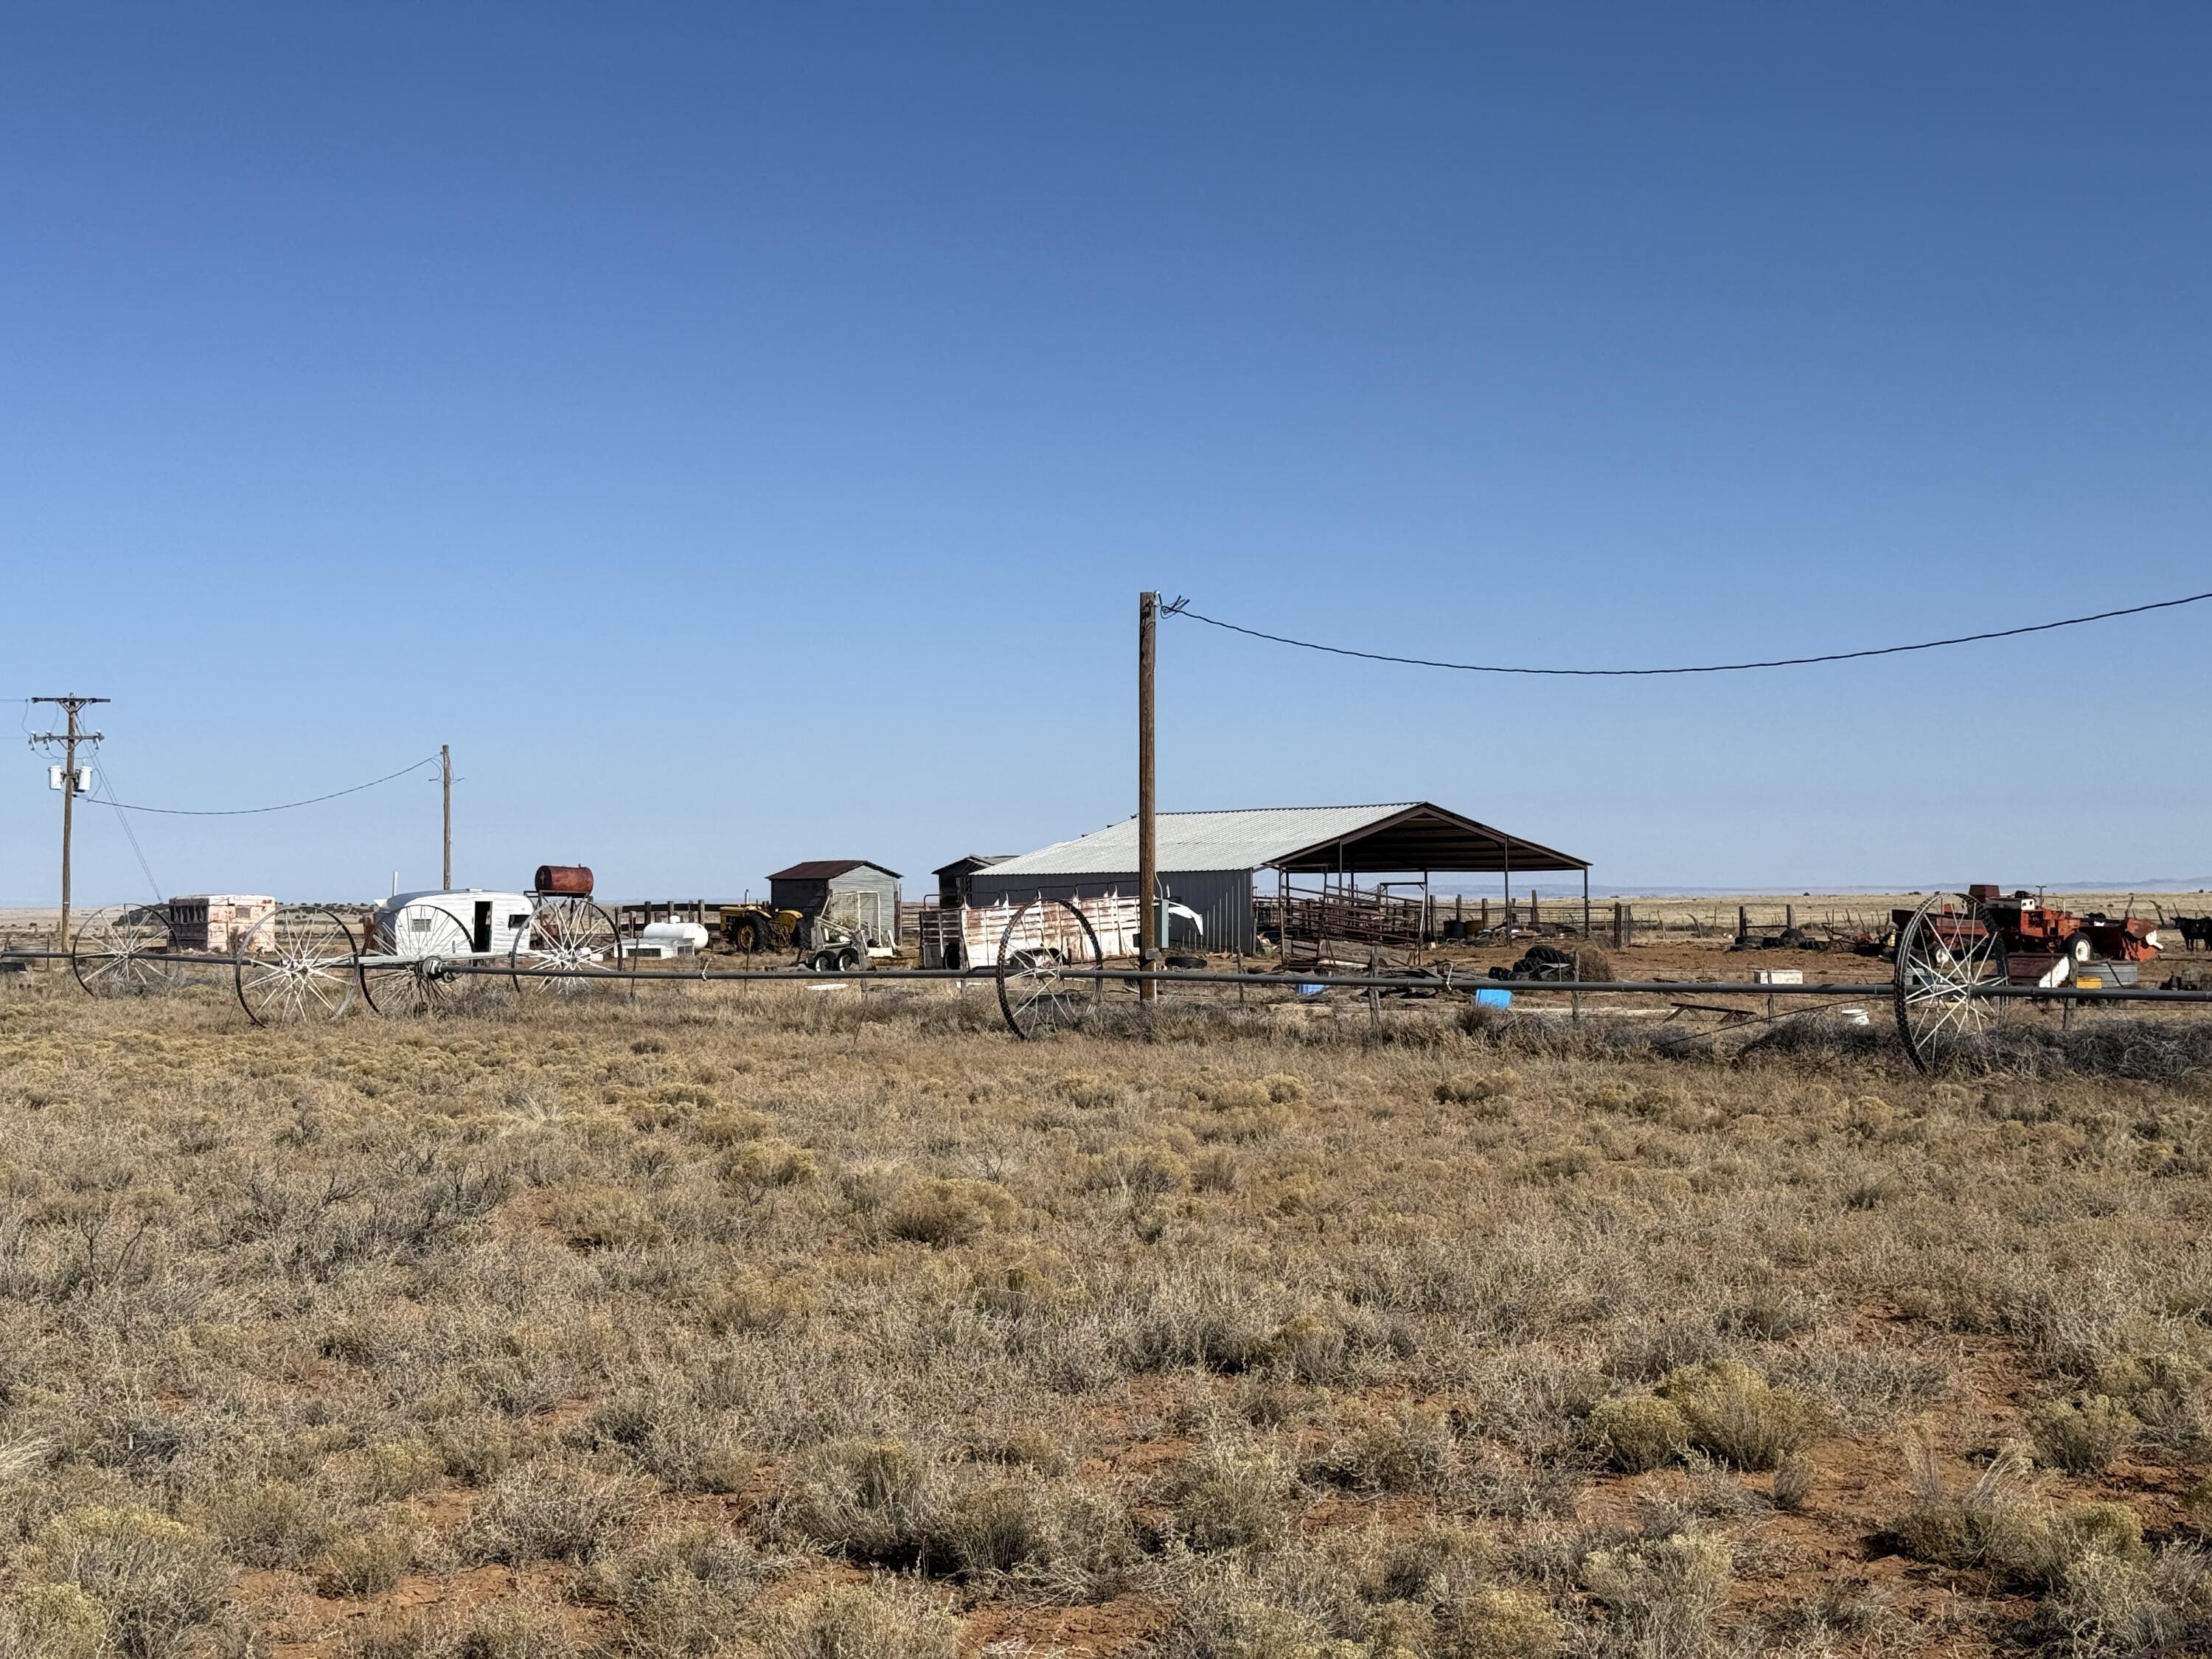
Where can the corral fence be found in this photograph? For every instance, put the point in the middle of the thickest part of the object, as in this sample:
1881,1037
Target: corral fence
1044,987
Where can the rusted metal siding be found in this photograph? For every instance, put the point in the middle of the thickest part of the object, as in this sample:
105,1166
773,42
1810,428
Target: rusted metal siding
1223,898
969,936
215,921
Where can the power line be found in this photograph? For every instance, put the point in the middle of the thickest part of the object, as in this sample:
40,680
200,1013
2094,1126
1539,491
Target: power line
1181,608
129,834
285,806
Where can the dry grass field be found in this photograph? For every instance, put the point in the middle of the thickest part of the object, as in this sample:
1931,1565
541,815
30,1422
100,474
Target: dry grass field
759,1323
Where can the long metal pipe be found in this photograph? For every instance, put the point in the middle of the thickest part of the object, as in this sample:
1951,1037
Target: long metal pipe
1868,989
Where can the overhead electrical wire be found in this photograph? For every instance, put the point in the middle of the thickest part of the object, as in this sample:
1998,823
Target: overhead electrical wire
130,834
1182,608
282,806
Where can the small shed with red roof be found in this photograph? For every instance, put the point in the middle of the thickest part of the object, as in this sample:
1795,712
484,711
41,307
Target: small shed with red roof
846,892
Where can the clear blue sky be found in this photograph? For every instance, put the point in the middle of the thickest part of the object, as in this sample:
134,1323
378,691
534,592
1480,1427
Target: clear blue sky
742,433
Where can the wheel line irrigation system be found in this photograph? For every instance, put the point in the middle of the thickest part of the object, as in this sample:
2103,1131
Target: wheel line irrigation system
1050,975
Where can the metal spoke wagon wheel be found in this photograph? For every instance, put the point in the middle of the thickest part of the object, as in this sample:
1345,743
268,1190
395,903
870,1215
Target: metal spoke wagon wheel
406,966
126,950
1949,956
574,945
1048,962
295,964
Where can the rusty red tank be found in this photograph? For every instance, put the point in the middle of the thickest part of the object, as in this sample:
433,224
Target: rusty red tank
565,878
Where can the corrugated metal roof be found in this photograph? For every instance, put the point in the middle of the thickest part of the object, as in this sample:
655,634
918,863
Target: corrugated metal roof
828,870
1200,840
1428,836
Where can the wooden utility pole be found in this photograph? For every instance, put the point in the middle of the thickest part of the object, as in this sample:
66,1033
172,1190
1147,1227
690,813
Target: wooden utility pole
446,788
1148,861
71,705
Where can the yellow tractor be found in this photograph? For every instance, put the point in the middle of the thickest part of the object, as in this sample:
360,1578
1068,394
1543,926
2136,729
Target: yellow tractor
820,943
753,928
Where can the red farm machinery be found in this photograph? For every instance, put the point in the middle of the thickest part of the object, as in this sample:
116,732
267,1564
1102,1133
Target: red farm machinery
1956,948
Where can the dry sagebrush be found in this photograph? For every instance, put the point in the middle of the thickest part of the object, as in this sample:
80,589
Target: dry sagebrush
793,1326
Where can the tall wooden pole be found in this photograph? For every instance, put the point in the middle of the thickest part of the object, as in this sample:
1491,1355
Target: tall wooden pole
69,802
1148,863
72,735
446,788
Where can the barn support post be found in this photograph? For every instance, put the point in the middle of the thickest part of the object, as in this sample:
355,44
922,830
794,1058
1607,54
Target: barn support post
1508,891
1586,933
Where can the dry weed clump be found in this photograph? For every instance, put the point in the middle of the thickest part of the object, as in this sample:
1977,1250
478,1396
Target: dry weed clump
1230,1494
1731,1411
754,1324
152,1577
1722,1407
1664,1593
53,1621
1996,1524
682,1591
552,1511
1361,1595
2083,1438
858,1622
1640,1431
2112,1606
874,1500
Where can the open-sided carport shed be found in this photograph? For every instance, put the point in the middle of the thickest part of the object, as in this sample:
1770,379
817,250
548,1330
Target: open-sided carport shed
1211,861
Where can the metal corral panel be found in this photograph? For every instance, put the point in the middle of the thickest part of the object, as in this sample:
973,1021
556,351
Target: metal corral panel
967,936
1223,898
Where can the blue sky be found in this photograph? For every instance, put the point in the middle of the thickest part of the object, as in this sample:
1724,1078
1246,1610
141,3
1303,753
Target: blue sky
742,433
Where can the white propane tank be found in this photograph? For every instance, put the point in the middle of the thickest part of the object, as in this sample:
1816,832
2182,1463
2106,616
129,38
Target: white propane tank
672,938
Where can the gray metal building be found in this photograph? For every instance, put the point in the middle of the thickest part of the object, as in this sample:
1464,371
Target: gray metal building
953,879
850,892
1211,861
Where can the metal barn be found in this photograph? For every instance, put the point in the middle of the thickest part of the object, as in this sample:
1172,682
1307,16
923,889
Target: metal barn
848,892
1213,862
954,880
